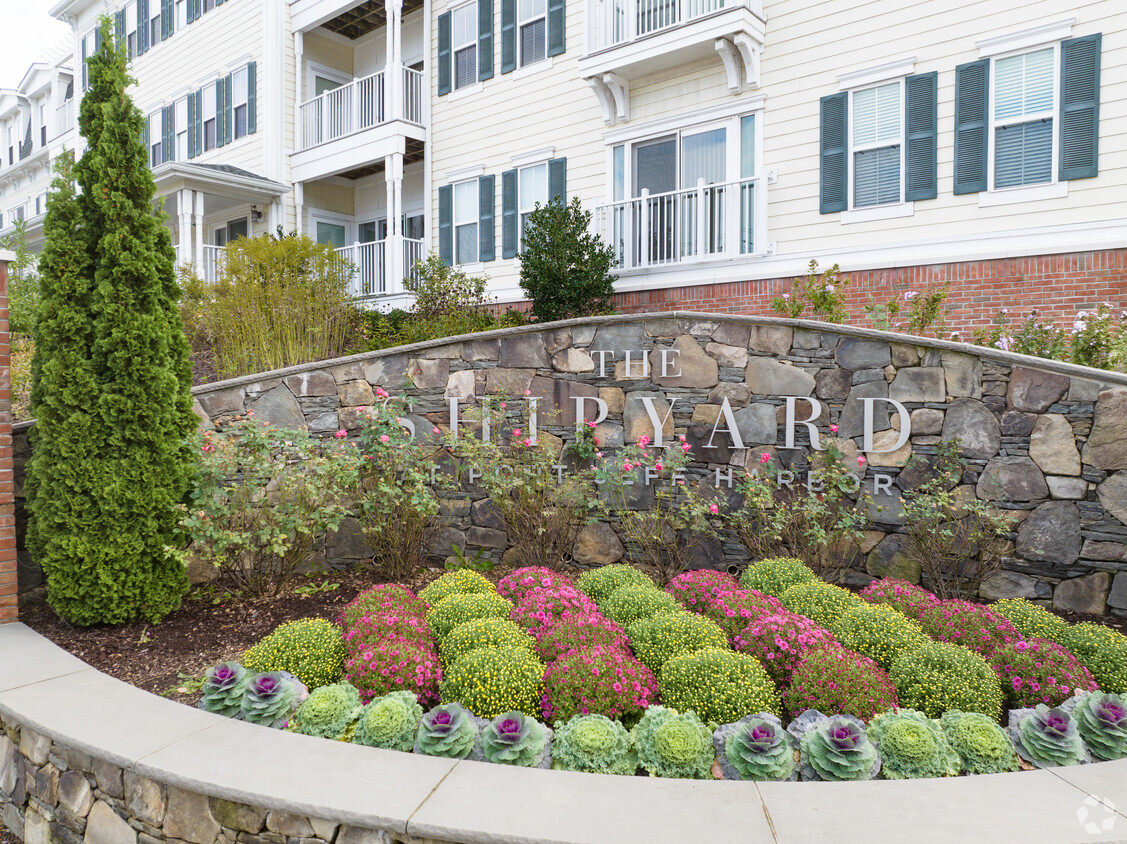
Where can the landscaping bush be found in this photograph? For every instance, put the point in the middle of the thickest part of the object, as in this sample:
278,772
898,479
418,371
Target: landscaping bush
776,575
392,665
539,609
936,677
456,582
489,632
490,681
271,698
983,746
1036,671
516,584
836,680
674,744
383,598
515,739
718,685
820,602
912,746
599,681
970,625
879,632
448,730
1103,652
733,611
384,625
1101,719
631,602
594,744
901,595
1030,620
780,641
223,689
834,748
1047,738
390,722
695,590
579,631
600,583
460,608
756,748
310,648
658,638
328,711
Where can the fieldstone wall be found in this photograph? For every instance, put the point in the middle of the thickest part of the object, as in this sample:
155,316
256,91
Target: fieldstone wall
1044,440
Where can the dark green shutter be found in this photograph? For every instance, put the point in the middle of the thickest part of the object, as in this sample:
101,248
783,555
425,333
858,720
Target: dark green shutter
509,214
119,25
195,9
557,23
445,69
228,110
167,19
446,223
168,135
145,143
557,180
193,117
252,98
508,36
833,151
1080,107
486,197
484,40
972,126
921,102
219,90
142,26
85,69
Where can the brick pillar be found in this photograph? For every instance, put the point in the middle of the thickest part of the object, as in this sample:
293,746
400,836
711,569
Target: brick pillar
8,586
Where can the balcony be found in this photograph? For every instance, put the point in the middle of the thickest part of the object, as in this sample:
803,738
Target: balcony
372,274
359,123
689,226
64,118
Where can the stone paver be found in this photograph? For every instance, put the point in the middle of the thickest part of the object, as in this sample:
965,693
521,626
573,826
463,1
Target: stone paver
18,670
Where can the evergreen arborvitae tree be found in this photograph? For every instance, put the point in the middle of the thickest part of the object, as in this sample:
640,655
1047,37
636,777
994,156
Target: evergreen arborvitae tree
111,379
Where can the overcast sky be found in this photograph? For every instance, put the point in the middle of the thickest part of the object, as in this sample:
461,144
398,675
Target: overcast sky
27,33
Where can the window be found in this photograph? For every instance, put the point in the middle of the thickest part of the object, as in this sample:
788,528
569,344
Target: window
333,234
131,30
209,121
240,99
88,49
232,231
182,129
877,143
532,190
464,31
1024,102
533,30
208,5
154,22
18,213
13,133
41,204
181,14
43,124
466,209
156,136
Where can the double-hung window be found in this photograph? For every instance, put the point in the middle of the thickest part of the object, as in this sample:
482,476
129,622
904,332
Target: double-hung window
89,46
156,137
131,30
466,210
239,101
466,218
532,190
877,145
533,25
182,129
154,22
1024,103
210,124
181,14
463,22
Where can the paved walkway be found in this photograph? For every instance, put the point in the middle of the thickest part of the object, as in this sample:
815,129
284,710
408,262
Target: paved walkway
47,689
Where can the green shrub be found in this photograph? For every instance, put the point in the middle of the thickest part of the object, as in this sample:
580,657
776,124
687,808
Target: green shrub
632,602
459,609
457,582
513,738
594,744
820,602
389,721
1030,620
310,648
983,746
674,744
718,685
448,730
832,679
1103,651
879,632
756,748
490,632
658,638
911,746
328,711
490,681
601,582
776,575
937,676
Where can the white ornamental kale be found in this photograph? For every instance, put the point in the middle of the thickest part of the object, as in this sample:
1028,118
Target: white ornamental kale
835,748
1046,737
1101,719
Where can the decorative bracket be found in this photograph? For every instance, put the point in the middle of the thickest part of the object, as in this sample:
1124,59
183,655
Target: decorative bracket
620,89
733,64
750,51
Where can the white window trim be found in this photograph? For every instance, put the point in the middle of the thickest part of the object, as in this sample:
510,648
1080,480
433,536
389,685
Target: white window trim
313,70
463,174
469,90
878,212
476,220
536,162
869,77
535,156
1054,114
736,107
520,23
532,69
474,45
851,179
1025,40
1022,193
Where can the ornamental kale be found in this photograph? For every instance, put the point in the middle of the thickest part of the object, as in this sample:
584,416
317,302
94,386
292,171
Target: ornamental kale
595,744
835,748
328,711
515,739
983,746
912,745
389,722
271,697
1046,737
1101,718
447,730
674,744
223,689
756,748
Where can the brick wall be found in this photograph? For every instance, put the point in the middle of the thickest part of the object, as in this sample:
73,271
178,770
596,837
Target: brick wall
1056,285
8,609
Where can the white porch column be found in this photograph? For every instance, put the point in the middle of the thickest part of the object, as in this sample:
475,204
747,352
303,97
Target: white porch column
299,89
393,254
199,233
393,68
184,219
299,205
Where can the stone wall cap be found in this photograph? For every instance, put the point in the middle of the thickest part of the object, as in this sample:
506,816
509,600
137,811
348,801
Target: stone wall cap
7,256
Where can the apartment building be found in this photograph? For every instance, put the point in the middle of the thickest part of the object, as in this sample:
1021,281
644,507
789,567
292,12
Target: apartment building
719,144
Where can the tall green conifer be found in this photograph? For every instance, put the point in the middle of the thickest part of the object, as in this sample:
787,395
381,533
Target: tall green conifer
111,390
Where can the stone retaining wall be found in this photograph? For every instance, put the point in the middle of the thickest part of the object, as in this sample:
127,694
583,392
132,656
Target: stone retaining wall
1042,439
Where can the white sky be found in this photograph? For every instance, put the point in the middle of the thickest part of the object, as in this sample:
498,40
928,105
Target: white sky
27,33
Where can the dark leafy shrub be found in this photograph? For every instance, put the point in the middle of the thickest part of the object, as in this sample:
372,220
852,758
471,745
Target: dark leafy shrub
657,639
836,680
599,681
518,583
834,748
735,610
390,722
460,608
309,648
1030,620
719,685
1037,671
490,681
912,746
631,602
900,595
1046,737
539,609
970,625
1103,651
820,602
515,739
756,748
937,676
483,633
881,633
776,575
674,744
601,582
391,665
779,641
983,746
595,744
388,598
457,582
696,589
579,631
328,711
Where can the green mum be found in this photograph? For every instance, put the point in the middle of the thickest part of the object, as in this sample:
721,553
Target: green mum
718,685
599,584
457,582
776,575
310,648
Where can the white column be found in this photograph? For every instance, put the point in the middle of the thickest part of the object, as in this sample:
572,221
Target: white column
299,203
393,68
184,219
393,252
299,88
199,233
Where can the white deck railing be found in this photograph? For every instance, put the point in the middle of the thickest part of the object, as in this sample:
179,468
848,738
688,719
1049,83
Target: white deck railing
359,105
613,22
370,272
213,260
413,96
690,225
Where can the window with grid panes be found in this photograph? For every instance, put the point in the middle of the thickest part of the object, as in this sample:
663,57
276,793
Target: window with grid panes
210,124
532,189
131,30
466,210
182,129
533,23
1023,108
463,25
877,140
240,99
156,136
154,23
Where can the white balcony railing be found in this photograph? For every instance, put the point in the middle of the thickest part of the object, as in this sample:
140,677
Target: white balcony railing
64,118
691,225
413,96
371,274
614,22
212,262
359,105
